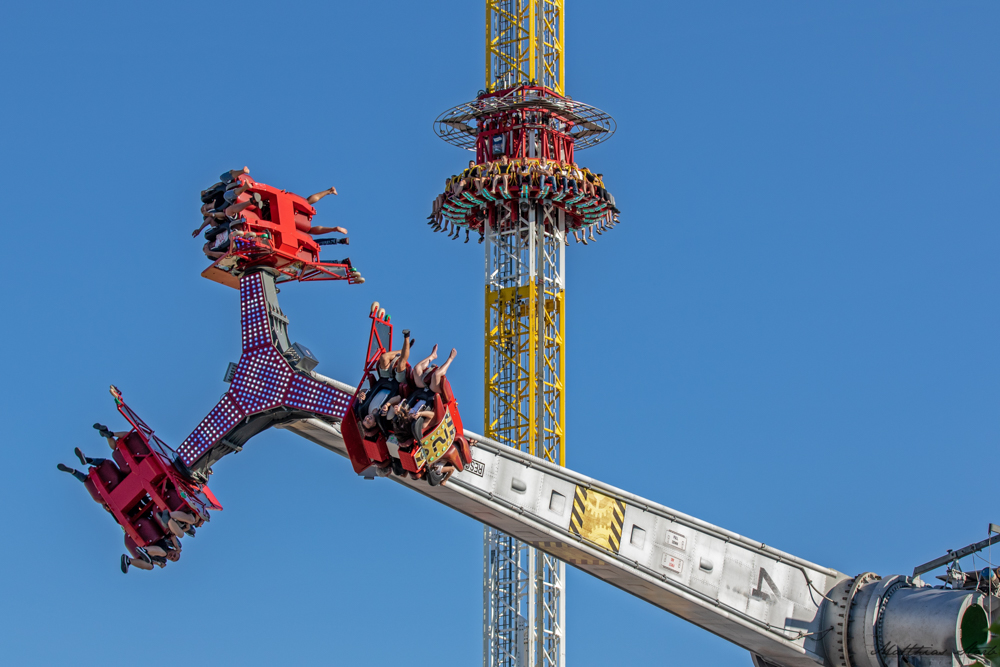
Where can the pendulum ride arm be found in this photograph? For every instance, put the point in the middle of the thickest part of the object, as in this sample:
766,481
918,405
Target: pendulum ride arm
786,611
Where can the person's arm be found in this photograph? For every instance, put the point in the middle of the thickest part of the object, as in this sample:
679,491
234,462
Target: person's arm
235,209
206,221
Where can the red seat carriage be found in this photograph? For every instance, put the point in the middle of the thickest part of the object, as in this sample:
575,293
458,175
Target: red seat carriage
141,487
275,235
439,440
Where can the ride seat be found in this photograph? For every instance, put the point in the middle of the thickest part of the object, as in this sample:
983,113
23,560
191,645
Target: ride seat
175,502
108,475
432,401
94,493
148,529
122,463
380,392
136,446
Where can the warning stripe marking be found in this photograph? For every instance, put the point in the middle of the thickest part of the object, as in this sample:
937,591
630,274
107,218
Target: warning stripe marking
597,518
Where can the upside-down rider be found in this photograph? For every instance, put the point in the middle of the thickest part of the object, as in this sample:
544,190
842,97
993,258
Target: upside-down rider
177,523
224,202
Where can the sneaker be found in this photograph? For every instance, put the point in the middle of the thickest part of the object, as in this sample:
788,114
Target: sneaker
64,468
79,455
104,431
126,561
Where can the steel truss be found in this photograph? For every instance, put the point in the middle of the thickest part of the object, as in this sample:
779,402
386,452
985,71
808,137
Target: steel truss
524,44
524,589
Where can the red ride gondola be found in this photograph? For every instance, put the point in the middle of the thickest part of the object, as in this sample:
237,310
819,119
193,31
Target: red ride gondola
428,447
274,234
142,489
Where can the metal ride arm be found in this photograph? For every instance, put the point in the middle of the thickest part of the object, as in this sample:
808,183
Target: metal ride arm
753,595
786,611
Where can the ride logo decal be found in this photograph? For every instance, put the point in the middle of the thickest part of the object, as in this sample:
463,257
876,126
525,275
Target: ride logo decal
436,443
597,518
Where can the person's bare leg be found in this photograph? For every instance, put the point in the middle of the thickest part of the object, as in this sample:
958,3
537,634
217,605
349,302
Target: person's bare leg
404,356
73,471
136,562
327,230
236,209
421,368
237,191
312,199
236,173
386,359
447,471
184,517
439,374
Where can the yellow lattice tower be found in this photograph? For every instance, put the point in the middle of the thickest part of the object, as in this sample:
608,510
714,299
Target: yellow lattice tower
525,44
524,115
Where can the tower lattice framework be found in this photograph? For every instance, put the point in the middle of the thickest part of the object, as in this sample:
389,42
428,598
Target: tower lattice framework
524,594
523,114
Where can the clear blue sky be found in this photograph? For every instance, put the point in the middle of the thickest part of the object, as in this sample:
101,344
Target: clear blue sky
801,304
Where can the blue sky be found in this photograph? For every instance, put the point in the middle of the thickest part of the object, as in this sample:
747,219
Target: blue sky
792,334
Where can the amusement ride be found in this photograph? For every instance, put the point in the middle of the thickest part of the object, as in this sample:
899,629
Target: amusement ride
401,422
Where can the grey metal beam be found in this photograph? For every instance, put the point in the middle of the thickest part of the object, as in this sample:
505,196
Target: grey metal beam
758,597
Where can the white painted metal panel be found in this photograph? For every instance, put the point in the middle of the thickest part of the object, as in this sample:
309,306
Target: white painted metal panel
756,596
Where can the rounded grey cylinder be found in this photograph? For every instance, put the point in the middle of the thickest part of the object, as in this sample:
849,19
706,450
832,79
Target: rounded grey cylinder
931,622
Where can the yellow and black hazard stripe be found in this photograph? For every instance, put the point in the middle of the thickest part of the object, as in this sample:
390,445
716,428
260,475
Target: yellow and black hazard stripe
597,518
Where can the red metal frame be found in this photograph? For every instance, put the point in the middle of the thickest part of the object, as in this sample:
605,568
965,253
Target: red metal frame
144,481
280,244
555,144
